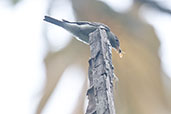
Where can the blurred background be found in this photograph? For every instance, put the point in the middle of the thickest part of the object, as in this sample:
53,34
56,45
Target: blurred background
43,70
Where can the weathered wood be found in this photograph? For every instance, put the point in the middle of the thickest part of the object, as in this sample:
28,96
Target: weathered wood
101,76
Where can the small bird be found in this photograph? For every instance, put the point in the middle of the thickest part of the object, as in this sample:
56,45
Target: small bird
82,29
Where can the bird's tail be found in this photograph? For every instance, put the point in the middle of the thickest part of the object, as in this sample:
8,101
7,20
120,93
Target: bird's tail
53,21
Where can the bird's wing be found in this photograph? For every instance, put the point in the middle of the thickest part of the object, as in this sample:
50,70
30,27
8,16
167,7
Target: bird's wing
95,24
81,22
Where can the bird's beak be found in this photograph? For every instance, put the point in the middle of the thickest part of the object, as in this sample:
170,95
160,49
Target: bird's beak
120,52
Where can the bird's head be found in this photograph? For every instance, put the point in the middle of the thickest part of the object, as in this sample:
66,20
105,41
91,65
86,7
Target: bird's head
115,43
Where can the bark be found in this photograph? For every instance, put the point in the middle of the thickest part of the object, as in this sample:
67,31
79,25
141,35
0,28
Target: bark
101,76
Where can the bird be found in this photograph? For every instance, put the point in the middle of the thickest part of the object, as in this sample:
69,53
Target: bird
82,29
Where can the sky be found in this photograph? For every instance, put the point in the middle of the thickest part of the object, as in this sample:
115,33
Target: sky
22,49
21,52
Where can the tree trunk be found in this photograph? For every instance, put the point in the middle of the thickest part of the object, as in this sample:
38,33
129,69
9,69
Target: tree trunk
100,93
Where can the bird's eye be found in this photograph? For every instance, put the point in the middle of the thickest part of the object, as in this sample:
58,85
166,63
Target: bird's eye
108,29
